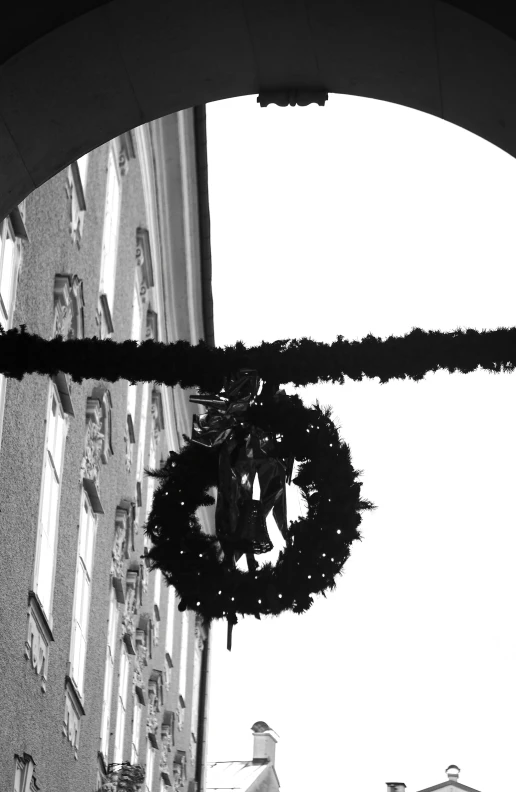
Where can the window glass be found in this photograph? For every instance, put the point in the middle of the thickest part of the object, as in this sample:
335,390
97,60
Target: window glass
82,597
108,674
184,654
171,610
149,769
110,233
82,164
121,706
137,718
7,262
49,500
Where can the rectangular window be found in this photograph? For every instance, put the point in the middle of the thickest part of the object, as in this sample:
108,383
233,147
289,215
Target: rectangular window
137,719
49,500
171,611
7,272
9,258
149,769
157,591
108,675
82,164
196,688
143,426
82,597
110,239
136,331
184,656
121,706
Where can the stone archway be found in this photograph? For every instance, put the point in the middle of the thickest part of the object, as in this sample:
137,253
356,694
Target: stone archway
73,77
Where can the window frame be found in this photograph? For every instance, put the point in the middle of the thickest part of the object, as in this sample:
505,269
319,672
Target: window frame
53,394
109,673
85,547
109,251
121,707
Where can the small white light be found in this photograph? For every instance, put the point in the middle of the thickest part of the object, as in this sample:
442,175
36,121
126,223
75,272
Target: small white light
339,531
259,602
309,577
200,555
324,555
220,592
333,559
182,503
182,551
280,596
232,599
198,604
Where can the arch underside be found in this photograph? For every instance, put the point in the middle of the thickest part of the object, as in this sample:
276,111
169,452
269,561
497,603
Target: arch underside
72,78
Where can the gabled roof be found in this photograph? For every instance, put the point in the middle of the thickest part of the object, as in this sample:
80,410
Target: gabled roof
234,775
449,783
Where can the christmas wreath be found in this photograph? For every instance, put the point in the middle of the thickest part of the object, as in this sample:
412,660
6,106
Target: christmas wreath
263,437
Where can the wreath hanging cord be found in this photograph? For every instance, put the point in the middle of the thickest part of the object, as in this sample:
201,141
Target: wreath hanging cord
300,361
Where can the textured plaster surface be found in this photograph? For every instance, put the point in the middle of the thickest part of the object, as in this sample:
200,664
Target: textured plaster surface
32,720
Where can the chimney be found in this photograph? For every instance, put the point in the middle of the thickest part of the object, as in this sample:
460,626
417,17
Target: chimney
265,739
396,786
453,772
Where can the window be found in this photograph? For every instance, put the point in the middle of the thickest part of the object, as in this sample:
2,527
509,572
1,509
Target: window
109,246
169,636
121,706
136,331
108,675
184,655
24,780
137,719
9,261
149,769
49,500
82,165
8,256
76,190
82,598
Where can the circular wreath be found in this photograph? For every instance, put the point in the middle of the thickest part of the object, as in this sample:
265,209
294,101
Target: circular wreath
318,544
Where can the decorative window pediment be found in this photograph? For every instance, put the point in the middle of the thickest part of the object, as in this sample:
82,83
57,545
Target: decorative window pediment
39,637
144,262
130,611
124,539
103,396
74,711
93,451
77,202
179,770
68,306
151,332
166,746
24,778
158,420
126,151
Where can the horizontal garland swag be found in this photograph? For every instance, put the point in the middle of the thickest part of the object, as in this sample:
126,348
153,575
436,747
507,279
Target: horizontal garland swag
300,361
317,546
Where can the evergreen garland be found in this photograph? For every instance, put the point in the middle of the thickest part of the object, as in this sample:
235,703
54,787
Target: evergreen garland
319,543
300,361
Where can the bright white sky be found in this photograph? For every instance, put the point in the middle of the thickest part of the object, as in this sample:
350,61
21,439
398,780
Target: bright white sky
365,217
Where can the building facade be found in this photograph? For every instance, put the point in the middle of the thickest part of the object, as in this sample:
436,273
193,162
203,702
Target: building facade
98,666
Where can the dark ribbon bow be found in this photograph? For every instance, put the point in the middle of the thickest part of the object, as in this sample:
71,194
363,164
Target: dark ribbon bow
245,451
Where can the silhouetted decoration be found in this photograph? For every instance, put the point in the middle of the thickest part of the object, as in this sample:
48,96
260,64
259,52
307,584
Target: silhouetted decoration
301,361
317,545
293,96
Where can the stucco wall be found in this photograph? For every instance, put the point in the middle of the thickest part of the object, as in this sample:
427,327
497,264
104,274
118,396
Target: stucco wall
32,720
